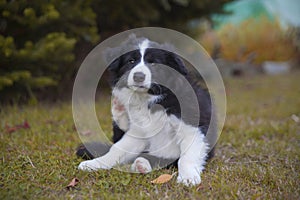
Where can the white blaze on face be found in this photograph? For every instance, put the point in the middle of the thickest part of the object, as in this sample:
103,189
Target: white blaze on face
143,48
140,67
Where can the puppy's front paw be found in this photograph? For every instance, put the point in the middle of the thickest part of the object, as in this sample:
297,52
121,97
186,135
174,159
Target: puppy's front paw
189,180
89,165
92,165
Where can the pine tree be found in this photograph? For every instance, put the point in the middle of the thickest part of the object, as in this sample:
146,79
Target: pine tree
38,43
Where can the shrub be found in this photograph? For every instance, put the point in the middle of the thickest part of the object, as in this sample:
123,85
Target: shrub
261,36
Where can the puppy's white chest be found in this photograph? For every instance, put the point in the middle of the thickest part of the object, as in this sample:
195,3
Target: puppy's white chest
145,122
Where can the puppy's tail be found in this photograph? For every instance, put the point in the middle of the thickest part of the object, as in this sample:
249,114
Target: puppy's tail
92,150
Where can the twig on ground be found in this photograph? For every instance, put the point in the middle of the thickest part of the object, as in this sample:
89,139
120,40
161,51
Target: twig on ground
30,162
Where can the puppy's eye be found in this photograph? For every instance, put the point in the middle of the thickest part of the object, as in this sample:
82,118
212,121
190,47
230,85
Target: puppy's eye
131,61
150,62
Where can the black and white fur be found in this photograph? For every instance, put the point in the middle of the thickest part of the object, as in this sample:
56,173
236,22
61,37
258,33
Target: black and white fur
147,117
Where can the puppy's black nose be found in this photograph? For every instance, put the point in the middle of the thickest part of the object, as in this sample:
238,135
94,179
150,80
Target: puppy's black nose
139,77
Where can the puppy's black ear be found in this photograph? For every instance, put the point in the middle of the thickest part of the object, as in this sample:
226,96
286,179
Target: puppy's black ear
114,65
112,70
177,63
108,55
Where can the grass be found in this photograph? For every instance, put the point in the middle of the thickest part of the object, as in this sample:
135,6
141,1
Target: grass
257,155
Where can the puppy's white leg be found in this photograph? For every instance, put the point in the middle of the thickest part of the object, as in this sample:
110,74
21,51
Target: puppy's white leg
192,159
141,165
119,114
120,153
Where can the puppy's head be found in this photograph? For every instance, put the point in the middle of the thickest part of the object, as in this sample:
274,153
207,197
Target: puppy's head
136,69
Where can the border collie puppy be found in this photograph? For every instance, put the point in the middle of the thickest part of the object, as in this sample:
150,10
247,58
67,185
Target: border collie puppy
148,118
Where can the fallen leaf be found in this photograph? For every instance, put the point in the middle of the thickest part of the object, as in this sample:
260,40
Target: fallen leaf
164,178
73,183
12,129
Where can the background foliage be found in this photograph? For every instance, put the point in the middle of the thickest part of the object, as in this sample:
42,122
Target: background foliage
38,45
43,43
265,38
181,15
